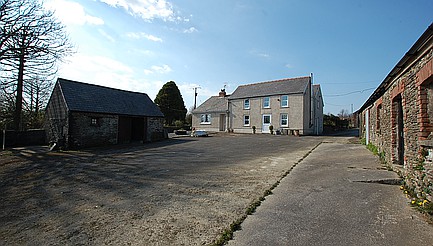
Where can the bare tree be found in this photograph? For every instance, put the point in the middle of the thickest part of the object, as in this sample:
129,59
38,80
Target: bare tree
344,113
12,14
31,50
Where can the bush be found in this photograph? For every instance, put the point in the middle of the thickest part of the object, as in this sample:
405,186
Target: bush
178,123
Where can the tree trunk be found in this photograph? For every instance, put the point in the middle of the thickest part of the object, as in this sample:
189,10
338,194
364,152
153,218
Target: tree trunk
20,85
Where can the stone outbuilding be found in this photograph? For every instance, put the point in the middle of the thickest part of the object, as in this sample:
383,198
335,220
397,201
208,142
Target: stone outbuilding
83,115
290,106
398,117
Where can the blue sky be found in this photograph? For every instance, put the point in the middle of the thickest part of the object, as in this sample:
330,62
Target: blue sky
138,45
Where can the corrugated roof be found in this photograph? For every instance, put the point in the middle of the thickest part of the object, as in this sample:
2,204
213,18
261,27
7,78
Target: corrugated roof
213,104
85,97
276,87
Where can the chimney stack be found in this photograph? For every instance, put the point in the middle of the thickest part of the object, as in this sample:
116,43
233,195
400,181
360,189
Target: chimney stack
223,93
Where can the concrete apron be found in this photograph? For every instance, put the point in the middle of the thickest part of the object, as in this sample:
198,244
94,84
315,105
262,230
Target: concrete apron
339,195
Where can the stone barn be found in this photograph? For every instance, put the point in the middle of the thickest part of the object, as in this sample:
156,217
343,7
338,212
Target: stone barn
398,117
83,115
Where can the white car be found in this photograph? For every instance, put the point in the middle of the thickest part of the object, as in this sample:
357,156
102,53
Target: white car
199,133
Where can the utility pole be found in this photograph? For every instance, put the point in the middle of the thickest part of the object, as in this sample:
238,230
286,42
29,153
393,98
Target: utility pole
195,96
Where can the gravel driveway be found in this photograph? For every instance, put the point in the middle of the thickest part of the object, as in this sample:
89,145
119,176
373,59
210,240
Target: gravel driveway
183,191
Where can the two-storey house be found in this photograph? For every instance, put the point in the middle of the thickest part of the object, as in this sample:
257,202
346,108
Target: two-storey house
291,106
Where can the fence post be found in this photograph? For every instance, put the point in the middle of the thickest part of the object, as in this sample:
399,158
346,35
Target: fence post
4,138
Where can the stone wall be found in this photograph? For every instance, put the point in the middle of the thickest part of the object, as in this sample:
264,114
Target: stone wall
155,129
85,133
413,90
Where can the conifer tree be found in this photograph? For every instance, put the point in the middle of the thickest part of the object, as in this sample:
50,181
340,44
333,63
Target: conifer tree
171,103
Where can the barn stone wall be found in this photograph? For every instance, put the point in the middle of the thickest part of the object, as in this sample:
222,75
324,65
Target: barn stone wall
414,87
155,129
85,133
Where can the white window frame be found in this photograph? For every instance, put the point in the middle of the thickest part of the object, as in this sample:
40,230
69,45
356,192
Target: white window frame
247,116
268,100
94,121
286,100
205,119
247,104
286,119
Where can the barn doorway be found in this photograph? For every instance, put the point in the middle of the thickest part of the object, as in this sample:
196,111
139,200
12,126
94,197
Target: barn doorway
131,129
398,126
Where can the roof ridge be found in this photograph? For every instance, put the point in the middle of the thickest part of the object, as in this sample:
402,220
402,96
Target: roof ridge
101,86
273,81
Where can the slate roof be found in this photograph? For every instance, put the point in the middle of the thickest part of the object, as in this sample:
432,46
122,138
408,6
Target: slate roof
215,104
85,97
276,87
404,62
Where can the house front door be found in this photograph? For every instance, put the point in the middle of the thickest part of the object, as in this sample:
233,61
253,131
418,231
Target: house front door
222,125
266,122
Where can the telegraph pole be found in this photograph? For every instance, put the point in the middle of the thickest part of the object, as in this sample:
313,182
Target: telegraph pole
195,96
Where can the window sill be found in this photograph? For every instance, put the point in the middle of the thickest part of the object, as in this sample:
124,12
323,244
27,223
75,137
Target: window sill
205,123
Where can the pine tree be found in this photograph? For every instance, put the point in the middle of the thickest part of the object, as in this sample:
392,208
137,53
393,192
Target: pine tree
171,103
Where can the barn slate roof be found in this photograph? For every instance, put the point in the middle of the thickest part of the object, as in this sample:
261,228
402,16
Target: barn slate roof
276,87
214,104
404,62
85,97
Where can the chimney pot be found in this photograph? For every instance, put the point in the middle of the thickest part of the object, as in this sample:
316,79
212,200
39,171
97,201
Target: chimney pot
223,93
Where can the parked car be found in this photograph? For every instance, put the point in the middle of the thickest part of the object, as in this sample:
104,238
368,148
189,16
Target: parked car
199,133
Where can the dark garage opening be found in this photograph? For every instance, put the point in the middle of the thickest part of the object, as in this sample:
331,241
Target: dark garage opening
131,129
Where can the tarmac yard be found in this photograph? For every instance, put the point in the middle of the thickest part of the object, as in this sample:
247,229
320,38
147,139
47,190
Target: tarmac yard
183,191
188,191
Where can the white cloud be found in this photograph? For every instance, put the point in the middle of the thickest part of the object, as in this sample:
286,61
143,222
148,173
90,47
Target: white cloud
158,69
260,54
289,66
106,35
98,70
190,30
264,55
146,9
105,71
142,52
140,35
72,13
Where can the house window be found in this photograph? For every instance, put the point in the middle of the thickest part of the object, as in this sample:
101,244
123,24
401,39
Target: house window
205,119
247,104
284,101
284,120
266,102
94,121
246,120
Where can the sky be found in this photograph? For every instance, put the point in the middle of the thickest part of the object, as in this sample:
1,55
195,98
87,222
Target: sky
139,45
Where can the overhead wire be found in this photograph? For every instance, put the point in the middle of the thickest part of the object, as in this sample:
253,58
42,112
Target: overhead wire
349,93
